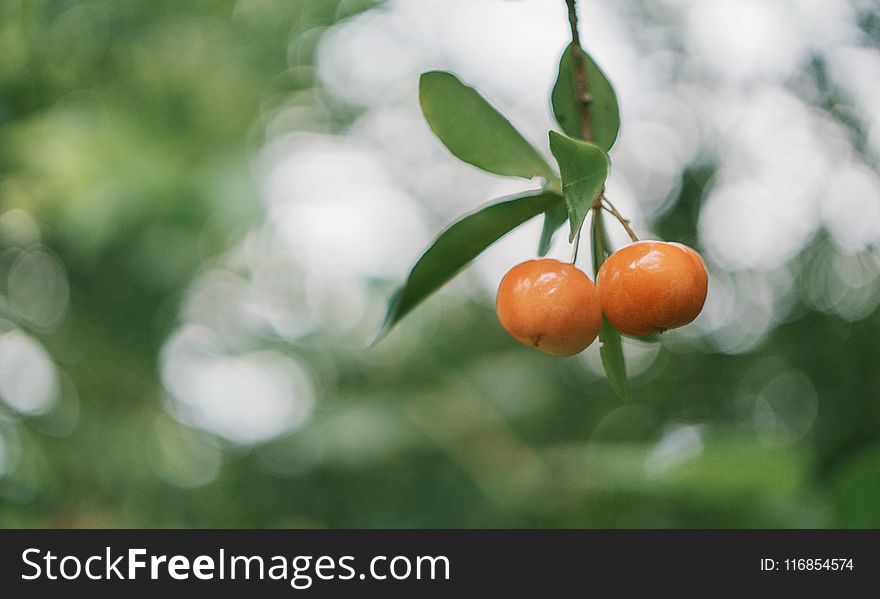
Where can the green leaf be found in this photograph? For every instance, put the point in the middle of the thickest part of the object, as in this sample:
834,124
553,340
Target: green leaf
610,345
474,131
459,244
584,168
611,352
553,219
603,109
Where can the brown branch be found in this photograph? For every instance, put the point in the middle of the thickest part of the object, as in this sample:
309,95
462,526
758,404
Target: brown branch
583,97
581,91
623,221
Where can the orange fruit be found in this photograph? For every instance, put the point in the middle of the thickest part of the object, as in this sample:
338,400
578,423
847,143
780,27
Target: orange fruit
550,305
652,286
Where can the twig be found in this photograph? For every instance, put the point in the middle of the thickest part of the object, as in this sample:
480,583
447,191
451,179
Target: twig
581,90
582,95
623,221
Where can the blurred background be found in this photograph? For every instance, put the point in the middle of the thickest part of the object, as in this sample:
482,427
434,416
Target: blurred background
204,206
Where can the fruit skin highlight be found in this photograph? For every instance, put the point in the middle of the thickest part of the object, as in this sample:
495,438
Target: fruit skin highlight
550,305
651,286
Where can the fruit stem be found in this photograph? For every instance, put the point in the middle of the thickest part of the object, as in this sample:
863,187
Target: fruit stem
613,211
574,249
580,74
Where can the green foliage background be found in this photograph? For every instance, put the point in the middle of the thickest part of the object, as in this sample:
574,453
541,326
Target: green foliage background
126,130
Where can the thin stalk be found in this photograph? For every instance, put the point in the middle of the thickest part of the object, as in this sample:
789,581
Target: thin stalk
581,89
623,221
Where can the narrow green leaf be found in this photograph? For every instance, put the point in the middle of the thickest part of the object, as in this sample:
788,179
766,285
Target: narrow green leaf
474,131
603,109
459,244
584,168
610,345
553,219
611,352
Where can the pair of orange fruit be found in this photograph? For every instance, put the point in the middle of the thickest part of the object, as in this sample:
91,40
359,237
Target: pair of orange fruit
643,288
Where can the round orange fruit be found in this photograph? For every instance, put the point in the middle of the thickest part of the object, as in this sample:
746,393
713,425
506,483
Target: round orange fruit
652,286
550,305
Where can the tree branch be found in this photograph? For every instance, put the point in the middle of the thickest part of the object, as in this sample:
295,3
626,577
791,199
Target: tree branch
581,91
623,221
